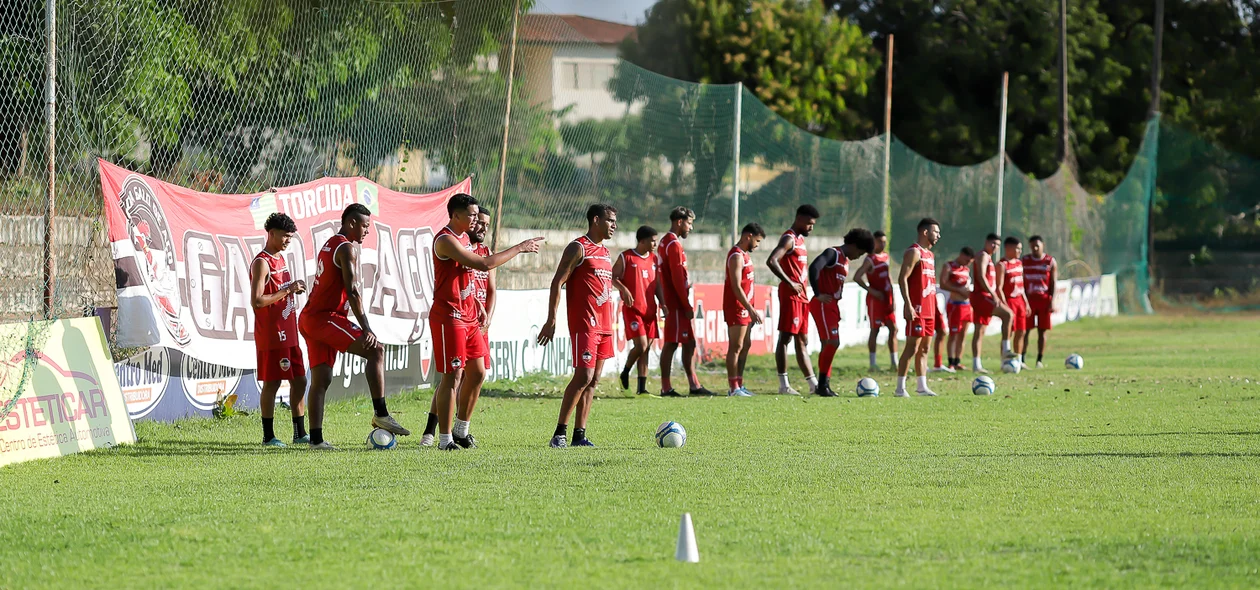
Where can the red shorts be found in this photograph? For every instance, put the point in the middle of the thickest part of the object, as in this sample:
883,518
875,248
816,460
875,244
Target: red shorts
636,324
880,313
959,315
826,318
678,329
280,364
737,315
1019,314
793,315
485,336
1040,307
589,348
982,311
923,327
456,343
326,335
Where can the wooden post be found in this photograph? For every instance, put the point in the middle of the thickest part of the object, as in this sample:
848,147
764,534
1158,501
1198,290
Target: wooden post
886,217
507,125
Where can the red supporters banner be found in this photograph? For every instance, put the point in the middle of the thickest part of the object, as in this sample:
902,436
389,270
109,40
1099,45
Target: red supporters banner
182,258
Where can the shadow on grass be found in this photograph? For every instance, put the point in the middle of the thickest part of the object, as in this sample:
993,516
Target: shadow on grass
1219,433
194,448
1106,454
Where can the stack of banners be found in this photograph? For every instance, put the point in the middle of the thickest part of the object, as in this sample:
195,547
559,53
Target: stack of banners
69,400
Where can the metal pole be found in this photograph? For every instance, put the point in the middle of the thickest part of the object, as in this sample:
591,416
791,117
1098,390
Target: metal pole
50,106
739,105
507,123
1006,76
886,217
1063,84
1157,59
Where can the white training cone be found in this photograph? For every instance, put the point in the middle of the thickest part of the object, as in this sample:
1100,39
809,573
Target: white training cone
687,541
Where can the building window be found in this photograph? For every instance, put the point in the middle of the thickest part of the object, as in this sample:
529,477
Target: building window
585,76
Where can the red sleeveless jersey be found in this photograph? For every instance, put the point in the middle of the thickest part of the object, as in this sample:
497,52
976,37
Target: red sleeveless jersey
831,279
275,326
922,282
590,290
1013,283
793,263
481,278
959,275
328,294
675,281
453,288
1037,275
639,276
877,277
729,302
990,278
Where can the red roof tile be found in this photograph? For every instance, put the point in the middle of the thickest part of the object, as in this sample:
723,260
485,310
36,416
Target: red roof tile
571,28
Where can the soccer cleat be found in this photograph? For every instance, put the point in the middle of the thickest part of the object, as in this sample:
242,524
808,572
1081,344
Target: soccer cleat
324,446
671,393
937,369
450,446
901,393
874,369
700,391
390,424
625,380
305,439
1040,365
274,442
947,370
558,441
643,392
426,440
925,393
980,371
739,392
467,442
582,442
824,388
958,368
787,390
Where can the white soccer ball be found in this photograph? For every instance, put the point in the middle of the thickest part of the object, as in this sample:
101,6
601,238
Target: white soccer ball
1012,366
867,387
1074,362
671,435
983,385
381,439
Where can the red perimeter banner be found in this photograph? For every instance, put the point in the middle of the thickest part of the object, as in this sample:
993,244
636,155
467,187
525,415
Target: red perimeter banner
182,257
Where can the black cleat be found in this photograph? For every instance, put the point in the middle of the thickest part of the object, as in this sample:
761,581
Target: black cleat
450,446
625,380
643,392
701,391
824,388
558,442
671,393
582,442
467,442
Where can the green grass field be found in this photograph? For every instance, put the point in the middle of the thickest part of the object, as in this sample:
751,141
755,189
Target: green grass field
1138,471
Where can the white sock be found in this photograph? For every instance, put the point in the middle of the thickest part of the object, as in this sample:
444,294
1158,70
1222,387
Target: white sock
975,363
783,381
444,439
874,363
812,381
461,428
893,356
901,383
1006,347
923,383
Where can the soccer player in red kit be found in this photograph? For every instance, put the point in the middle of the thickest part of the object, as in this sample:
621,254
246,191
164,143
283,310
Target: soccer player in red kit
585,271
1041,273
485,293
1010,279
787,261
918,290
676,287
325,324
738,308
958,309
985,301
826,277
872,277
634,275
273,296
456,318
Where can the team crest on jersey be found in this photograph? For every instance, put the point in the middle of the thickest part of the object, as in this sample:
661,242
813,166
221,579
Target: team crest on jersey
835,331
285,364
634,325
586,356
456,363
796,321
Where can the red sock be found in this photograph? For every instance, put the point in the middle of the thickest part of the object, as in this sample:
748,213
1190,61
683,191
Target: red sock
938,359
734,381
740,381
665,385
827,355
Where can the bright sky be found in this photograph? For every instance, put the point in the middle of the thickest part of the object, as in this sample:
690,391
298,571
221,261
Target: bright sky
622,11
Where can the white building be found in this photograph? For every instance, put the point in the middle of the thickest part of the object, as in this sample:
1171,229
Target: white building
567,62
